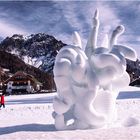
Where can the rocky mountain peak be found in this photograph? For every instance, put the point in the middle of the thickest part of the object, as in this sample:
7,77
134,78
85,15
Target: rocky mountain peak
38,50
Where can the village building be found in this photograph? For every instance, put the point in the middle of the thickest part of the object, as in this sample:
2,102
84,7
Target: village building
22,82
3,76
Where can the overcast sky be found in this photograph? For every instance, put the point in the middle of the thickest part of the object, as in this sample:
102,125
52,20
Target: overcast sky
62,18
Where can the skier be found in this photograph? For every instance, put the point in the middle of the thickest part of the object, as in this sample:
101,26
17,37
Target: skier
2,101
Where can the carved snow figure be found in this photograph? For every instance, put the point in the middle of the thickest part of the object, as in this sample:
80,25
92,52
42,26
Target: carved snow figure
89,82
109,64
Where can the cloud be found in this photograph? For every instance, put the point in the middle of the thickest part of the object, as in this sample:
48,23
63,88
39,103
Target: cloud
8,30
57,17
62,18
79,17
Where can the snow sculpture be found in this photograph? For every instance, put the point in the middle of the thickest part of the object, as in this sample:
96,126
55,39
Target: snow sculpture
89,82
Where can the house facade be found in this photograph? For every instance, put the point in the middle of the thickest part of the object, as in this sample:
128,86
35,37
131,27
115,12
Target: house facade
22,82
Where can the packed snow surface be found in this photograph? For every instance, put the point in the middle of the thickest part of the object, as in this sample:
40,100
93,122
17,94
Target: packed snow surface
29,117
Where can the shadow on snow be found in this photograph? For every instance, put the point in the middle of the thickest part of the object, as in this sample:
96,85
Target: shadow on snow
27,127
41,100
129,95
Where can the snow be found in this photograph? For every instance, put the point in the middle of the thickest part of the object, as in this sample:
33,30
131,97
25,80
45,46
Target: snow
36,62
89,81
29,117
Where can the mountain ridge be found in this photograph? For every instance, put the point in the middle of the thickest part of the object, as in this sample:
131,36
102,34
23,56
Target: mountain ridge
37,53
38,50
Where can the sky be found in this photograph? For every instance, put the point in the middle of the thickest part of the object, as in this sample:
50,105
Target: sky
62,18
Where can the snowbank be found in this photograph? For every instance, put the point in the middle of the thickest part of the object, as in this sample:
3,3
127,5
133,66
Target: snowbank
29,117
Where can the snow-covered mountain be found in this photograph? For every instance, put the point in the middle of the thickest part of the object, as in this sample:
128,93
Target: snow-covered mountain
38,50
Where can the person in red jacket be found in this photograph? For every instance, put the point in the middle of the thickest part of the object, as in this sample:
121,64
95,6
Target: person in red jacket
2,101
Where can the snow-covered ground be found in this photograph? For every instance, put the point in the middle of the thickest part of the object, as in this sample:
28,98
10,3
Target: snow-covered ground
28,117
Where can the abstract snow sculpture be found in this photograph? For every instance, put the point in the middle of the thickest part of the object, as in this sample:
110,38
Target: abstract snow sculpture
75,89
89,82
109,64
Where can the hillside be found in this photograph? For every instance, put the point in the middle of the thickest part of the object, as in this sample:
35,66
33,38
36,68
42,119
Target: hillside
14,64
133,68
38,50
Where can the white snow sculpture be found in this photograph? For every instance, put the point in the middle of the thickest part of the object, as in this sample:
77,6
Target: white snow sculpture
89,82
